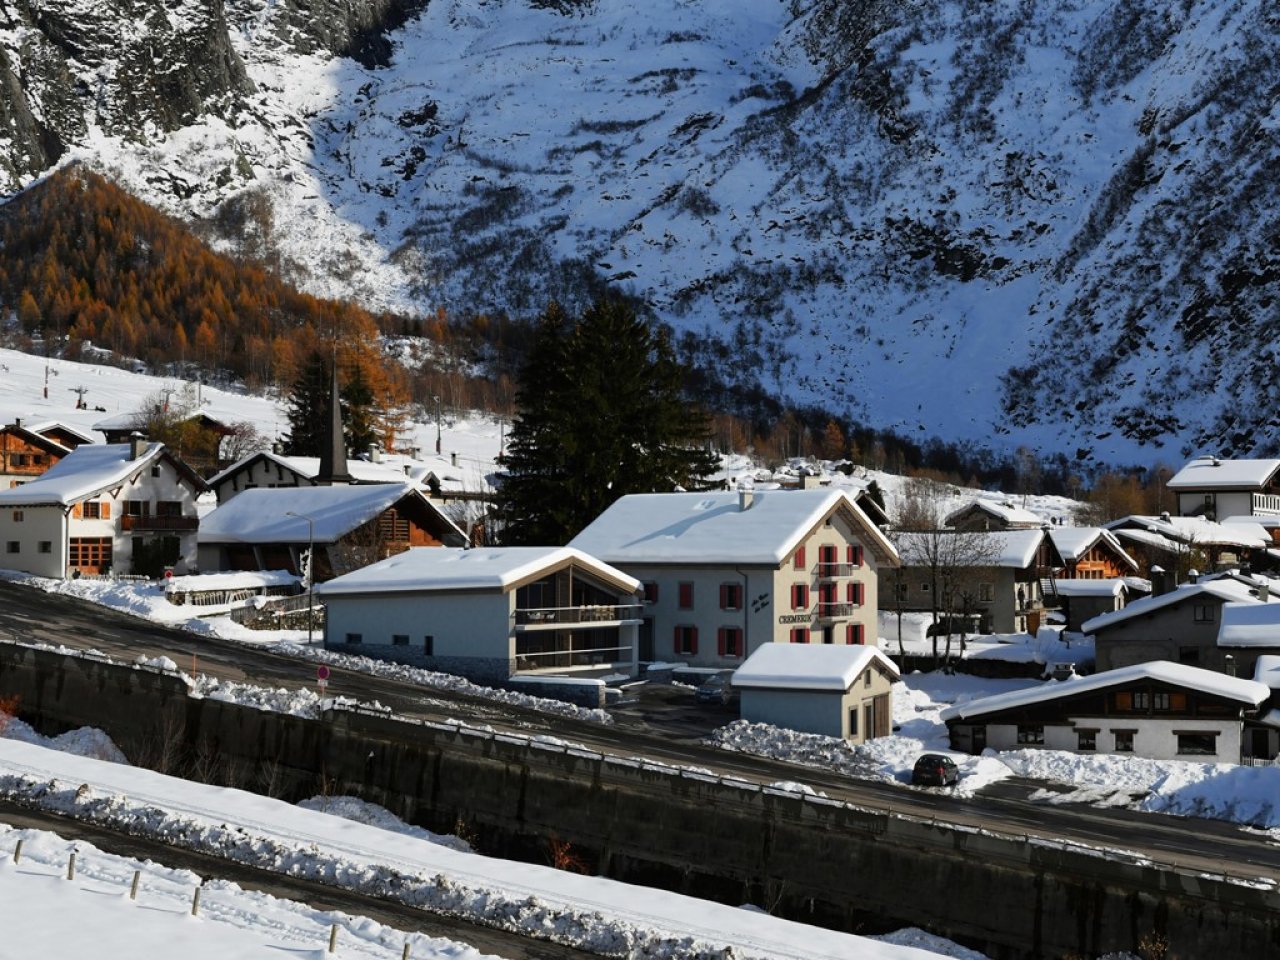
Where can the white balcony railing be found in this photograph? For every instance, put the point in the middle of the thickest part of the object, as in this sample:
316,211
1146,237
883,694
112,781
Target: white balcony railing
1266,503
601,614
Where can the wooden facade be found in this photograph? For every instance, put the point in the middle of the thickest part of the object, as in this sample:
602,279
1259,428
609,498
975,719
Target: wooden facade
25,455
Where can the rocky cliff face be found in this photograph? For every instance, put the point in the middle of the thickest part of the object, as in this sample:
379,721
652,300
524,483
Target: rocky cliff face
1015,221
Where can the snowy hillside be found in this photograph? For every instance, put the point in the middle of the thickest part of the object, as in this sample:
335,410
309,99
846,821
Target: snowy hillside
1042,221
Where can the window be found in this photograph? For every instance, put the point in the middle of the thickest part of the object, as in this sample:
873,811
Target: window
1031,734
686,595
44,546
900,591
854,554
168,508
729,641
429,645
13,546
1204,613
867,676
986,592
92,510
854,593
828,635
1161,701
799,558
827,562
399,639
853,721
1086,740
730,596
686,641
799,596
853,634
355,638
135,508
924,588
155,469
1197,743
18,516
1189,656
1124,741
1142,701
650,592
799,634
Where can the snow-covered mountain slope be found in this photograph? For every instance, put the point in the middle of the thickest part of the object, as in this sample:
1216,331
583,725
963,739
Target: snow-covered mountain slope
1039,221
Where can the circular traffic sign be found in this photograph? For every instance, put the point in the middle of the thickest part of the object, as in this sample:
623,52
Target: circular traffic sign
322,672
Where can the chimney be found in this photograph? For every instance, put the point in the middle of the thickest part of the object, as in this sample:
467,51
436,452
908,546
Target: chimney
746,496
17,423
810,481
137,445
1160,581
1193,575
1229,665
1264,592
453,459
375,455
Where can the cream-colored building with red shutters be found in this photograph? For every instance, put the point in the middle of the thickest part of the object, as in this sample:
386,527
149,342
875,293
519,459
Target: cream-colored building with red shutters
724,573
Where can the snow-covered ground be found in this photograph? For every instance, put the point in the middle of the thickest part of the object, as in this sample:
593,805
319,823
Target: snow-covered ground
592,913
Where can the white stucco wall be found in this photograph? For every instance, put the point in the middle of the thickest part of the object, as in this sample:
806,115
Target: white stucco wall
1154,739
38,525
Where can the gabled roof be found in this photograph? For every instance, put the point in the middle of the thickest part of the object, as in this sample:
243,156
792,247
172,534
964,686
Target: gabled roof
51,426
435,569
1250,625
1211,473
1015,549
809,666
1249,693
674,528
1005,511
36,439
1227,591
362,471
262,515
1072,543
90,469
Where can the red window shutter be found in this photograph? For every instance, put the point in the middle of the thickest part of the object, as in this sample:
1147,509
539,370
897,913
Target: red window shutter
857,556
724,598
105,511
795,634
720,641
849,633
857,634
651,592
800,564
686,596
849,594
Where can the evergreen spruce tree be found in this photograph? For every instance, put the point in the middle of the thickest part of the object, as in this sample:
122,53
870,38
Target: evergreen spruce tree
308,409
601,413
356,397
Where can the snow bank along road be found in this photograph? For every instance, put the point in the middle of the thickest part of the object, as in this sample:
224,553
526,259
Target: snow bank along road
32,615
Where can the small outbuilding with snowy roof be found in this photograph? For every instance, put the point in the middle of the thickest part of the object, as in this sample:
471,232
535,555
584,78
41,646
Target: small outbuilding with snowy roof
488,613
725,573
1159,710
835,691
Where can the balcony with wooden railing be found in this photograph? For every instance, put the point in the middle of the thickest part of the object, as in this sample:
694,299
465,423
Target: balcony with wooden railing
174,524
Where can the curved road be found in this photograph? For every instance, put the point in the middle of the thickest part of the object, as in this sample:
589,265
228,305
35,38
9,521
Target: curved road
665,728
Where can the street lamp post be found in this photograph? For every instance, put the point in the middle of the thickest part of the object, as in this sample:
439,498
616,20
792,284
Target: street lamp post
311,571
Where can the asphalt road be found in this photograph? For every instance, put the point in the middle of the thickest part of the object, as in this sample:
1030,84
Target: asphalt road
664,725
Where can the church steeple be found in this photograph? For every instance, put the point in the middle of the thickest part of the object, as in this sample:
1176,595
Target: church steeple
333,455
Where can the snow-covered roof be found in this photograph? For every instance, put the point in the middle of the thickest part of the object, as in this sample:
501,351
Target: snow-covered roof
1072,543
712,527
1004,510
809,666
430,569
83,472
1004,548
362,471
1227,591
1109,587
1248,692
48,426
1211,473
1250,625
262,515
1177,532
230,580
1267,670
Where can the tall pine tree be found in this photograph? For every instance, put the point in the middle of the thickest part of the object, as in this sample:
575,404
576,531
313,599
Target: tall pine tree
600,414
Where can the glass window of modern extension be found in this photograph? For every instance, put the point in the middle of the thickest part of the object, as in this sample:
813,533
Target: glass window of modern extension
569,621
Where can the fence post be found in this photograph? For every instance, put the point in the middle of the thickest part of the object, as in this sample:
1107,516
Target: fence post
17,851
195,903
71,866
333,938
133,887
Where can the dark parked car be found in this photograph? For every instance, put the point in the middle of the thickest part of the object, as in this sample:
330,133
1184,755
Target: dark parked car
718,689
935,770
